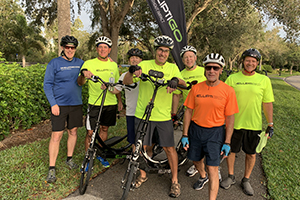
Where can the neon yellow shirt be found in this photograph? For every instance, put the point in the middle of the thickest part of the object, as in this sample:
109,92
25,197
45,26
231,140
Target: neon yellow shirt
105,70
195,75
251,92
163,100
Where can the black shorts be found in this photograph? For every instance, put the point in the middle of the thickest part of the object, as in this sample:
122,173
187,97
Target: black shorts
205,142
107,118
72,115
164,131
247,139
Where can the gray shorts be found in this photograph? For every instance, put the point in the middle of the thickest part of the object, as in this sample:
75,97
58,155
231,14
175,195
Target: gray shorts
164,131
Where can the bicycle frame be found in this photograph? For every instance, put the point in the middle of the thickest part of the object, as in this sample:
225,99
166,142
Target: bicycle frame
128,181
105,148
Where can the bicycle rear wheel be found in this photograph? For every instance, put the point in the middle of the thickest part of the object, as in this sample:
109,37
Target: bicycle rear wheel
128,182
86,171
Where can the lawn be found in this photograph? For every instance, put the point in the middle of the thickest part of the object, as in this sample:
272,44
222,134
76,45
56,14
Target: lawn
24,168
281,157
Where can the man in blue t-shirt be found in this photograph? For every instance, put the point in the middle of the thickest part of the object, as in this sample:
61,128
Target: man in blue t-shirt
64,96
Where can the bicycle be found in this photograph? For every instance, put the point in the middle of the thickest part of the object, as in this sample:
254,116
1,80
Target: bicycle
105,149
140,155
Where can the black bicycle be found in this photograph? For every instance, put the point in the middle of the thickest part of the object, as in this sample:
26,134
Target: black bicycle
105,148
140,156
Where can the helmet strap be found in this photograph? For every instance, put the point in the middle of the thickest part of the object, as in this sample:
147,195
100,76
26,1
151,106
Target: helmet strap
63,54
189,68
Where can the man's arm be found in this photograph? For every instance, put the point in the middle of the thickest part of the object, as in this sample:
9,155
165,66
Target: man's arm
186,123
84,74
268,111
229,123
119,97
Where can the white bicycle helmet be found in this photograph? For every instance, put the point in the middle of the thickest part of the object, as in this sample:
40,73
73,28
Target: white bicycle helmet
104,40
164,41
214,58
187,48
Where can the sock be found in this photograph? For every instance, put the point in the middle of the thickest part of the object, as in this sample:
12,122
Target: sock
231,176
51,167
245,179
69,158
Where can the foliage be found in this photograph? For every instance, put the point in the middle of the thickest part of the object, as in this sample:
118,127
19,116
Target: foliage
281,157
23,102
24,168
268,68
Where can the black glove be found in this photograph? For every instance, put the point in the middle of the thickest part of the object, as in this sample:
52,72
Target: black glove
173,83
174,117
270,131
134,68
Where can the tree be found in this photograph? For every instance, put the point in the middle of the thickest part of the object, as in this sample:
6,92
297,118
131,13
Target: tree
26,37
109,14
64,20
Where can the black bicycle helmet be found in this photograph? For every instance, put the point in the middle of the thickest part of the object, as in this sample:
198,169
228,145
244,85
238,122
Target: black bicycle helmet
164,41
252,53
187,48
68,40
104,40
214,58
135,52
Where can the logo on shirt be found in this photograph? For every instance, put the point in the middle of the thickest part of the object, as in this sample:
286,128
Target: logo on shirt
69,68
102,70
209,96
247,83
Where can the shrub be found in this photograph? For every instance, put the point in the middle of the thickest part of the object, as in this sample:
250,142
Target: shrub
268,68
22,100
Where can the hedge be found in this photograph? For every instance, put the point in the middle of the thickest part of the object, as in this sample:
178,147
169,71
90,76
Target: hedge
23,102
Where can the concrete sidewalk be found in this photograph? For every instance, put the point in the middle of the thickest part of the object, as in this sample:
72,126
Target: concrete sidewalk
107,186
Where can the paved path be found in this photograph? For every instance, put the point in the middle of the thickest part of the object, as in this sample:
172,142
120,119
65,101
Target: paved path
293,81
107,186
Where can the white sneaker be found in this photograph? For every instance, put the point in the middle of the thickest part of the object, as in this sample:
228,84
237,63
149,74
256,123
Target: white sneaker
192,171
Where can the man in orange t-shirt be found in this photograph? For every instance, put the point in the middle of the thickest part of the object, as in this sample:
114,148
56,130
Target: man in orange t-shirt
209,104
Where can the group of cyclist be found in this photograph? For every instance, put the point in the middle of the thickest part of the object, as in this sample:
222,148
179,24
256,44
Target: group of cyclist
219,118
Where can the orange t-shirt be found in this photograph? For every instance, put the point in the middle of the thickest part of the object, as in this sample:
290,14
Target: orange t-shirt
211,104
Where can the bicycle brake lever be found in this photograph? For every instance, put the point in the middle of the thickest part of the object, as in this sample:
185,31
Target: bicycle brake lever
95,79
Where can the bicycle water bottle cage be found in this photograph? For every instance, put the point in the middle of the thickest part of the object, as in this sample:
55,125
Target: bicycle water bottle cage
156,74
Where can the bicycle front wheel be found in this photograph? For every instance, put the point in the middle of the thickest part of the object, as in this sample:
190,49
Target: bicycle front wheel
128,182
86,171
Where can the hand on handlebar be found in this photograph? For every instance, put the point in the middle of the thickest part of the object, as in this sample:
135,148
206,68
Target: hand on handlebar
185,142
87,74
225,149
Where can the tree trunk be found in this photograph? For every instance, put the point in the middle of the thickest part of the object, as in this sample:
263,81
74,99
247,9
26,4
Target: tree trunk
64,20
291,70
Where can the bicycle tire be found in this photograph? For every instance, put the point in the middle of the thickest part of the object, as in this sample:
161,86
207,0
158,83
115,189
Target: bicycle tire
128,183
86,175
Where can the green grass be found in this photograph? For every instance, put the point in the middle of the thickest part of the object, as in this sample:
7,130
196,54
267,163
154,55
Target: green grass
24,168
283,74
281,157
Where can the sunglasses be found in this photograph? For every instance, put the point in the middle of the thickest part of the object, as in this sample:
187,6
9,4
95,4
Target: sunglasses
208,68
68,47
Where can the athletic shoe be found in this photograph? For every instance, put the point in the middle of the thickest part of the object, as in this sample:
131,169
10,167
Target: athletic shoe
230,180
71,164
247,189
103,161
51,178
192,171
175,190
200,183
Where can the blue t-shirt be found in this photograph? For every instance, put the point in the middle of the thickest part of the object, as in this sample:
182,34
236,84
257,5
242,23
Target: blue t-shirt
60,82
